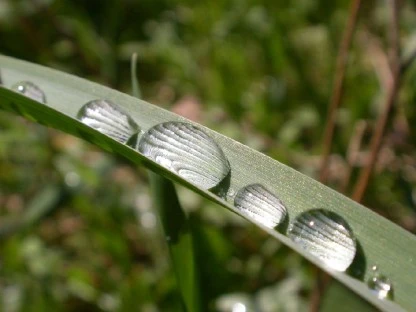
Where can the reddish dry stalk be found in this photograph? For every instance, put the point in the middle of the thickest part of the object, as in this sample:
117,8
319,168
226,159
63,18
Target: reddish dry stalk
323,278
337,91
381,123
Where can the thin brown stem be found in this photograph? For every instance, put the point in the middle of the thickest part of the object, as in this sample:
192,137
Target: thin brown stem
341,64
378,57
322,282
390,99
322,278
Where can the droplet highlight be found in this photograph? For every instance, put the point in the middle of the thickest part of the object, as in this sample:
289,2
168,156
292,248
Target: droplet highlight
257,202
325,235
109,119
30,90
187,151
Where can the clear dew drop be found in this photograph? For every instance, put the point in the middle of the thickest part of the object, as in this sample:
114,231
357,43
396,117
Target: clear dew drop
380,284
230,193
30,90
259,203
109,119
325,235
187,151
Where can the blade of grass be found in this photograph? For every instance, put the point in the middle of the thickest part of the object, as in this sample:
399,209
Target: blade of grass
179,239
135,86
383,243
175,225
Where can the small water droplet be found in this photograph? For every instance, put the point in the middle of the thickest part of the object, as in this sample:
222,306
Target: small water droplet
187,151
260,204
30,90
109,119
231,193
381,286
325,235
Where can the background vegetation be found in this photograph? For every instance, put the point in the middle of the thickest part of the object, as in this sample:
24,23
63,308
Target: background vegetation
260,72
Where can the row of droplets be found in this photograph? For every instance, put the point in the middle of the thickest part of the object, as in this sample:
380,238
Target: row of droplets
191,153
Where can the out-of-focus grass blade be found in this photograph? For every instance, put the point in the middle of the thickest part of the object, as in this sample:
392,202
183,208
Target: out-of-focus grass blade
134,82
179,238
175,225
384,244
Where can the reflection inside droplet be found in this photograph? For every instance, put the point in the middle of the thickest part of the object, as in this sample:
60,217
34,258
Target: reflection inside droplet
187,151
108,118
325,235
257,202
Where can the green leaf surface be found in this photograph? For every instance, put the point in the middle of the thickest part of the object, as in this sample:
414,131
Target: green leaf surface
337,296
383,243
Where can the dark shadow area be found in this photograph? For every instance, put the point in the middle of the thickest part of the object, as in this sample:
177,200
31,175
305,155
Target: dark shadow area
358,266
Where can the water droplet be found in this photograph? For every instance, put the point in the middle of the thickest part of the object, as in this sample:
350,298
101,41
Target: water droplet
108,118
381,286
187,151
231,193
30,90
325,235
260,204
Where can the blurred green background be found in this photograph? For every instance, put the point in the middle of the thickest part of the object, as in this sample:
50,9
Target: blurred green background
77,227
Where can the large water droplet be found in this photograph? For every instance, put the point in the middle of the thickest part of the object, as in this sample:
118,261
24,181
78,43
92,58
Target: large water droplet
260,204
30,90
108,118
325,235
187,151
